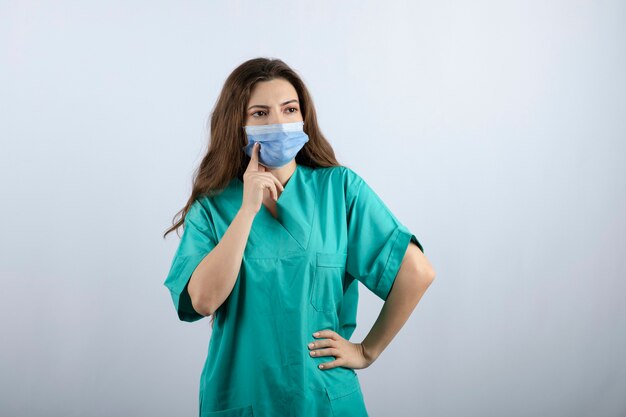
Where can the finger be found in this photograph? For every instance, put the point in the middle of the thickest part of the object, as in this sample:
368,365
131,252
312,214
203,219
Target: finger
276,181
325,352
274,191
321,343
326,333
330,365
253,165
270,185
262,167
271,177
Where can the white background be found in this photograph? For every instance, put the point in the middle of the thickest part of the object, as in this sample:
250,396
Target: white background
495,130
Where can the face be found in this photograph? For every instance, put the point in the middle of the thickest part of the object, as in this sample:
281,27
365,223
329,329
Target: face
274,101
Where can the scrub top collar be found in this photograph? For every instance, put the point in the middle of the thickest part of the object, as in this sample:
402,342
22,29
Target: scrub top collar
295,207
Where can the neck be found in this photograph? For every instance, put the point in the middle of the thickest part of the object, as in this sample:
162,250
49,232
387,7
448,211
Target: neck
283,173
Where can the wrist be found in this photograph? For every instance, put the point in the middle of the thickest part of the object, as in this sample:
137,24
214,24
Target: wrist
246,212
368,353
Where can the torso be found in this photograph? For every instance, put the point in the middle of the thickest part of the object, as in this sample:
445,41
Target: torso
293,280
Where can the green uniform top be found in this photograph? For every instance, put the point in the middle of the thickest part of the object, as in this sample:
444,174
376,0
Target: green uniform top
299,274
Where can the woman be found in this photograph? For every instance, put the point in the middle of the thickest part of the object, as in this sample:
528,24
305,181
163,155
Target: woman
276,237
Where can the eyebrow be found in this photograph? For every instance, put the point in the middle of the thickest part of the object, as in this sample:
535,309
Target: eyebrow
267,107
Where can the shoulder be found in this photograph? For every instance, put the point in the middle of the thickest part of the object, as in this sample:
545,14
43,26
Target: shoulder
340,177
201,204
208,201
199,213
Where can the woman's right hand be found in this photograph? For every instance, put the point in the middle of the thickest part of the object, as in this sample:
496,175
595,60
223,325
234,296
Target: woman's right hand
255,180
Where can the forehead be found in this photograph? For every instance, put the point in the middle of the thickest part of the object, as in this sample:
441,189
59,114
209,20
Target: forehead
273,91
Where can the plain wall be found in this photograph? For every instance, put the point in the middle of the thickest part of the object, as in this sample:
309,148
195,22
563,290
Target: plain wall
495,130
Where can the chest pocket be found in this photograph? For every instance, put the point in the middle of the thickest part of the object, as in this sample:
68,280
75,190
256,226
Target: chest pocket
327,285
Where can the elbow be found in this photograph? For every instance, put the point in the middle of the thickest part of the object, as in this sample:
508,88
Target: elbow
428,276
424,277
202,305
201,308
420,267
199,302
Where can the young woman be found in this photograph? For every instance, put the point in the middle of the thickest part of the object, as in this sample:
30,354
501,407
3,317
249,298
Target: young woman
276,237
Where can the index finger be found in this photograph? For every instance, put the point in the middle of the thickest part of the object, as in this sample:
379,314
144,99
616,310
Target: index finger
253,165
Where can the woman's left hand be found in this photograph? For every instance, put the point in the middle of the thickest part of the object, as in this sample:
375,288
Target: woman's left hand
347,354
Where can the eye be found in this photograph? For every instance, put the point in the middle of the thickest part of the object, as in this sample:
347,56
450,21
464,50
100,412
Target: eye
293,108
260,111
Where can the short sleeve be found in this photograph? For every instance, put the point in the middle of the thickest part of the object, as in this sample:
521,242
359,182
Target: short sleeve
377,241
197,241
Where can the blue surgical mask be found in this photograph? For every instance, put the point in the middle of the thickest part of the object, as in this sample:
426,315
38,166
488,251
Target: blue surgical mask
279,143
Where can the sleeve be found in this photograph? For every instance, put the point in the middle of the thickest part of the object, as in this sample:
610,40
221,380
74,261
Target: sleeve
377,241
197,241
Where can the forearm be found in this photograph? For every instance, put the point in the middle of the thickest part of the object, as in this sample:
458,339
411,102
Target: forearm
215,276
409,286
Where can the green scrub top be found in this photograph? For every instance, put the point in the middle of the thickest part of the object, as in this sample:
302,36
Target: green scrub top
299,274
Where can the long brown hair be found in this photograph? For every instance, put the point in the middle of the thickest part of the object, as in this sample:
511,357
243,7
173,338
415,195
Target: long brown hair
225,158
